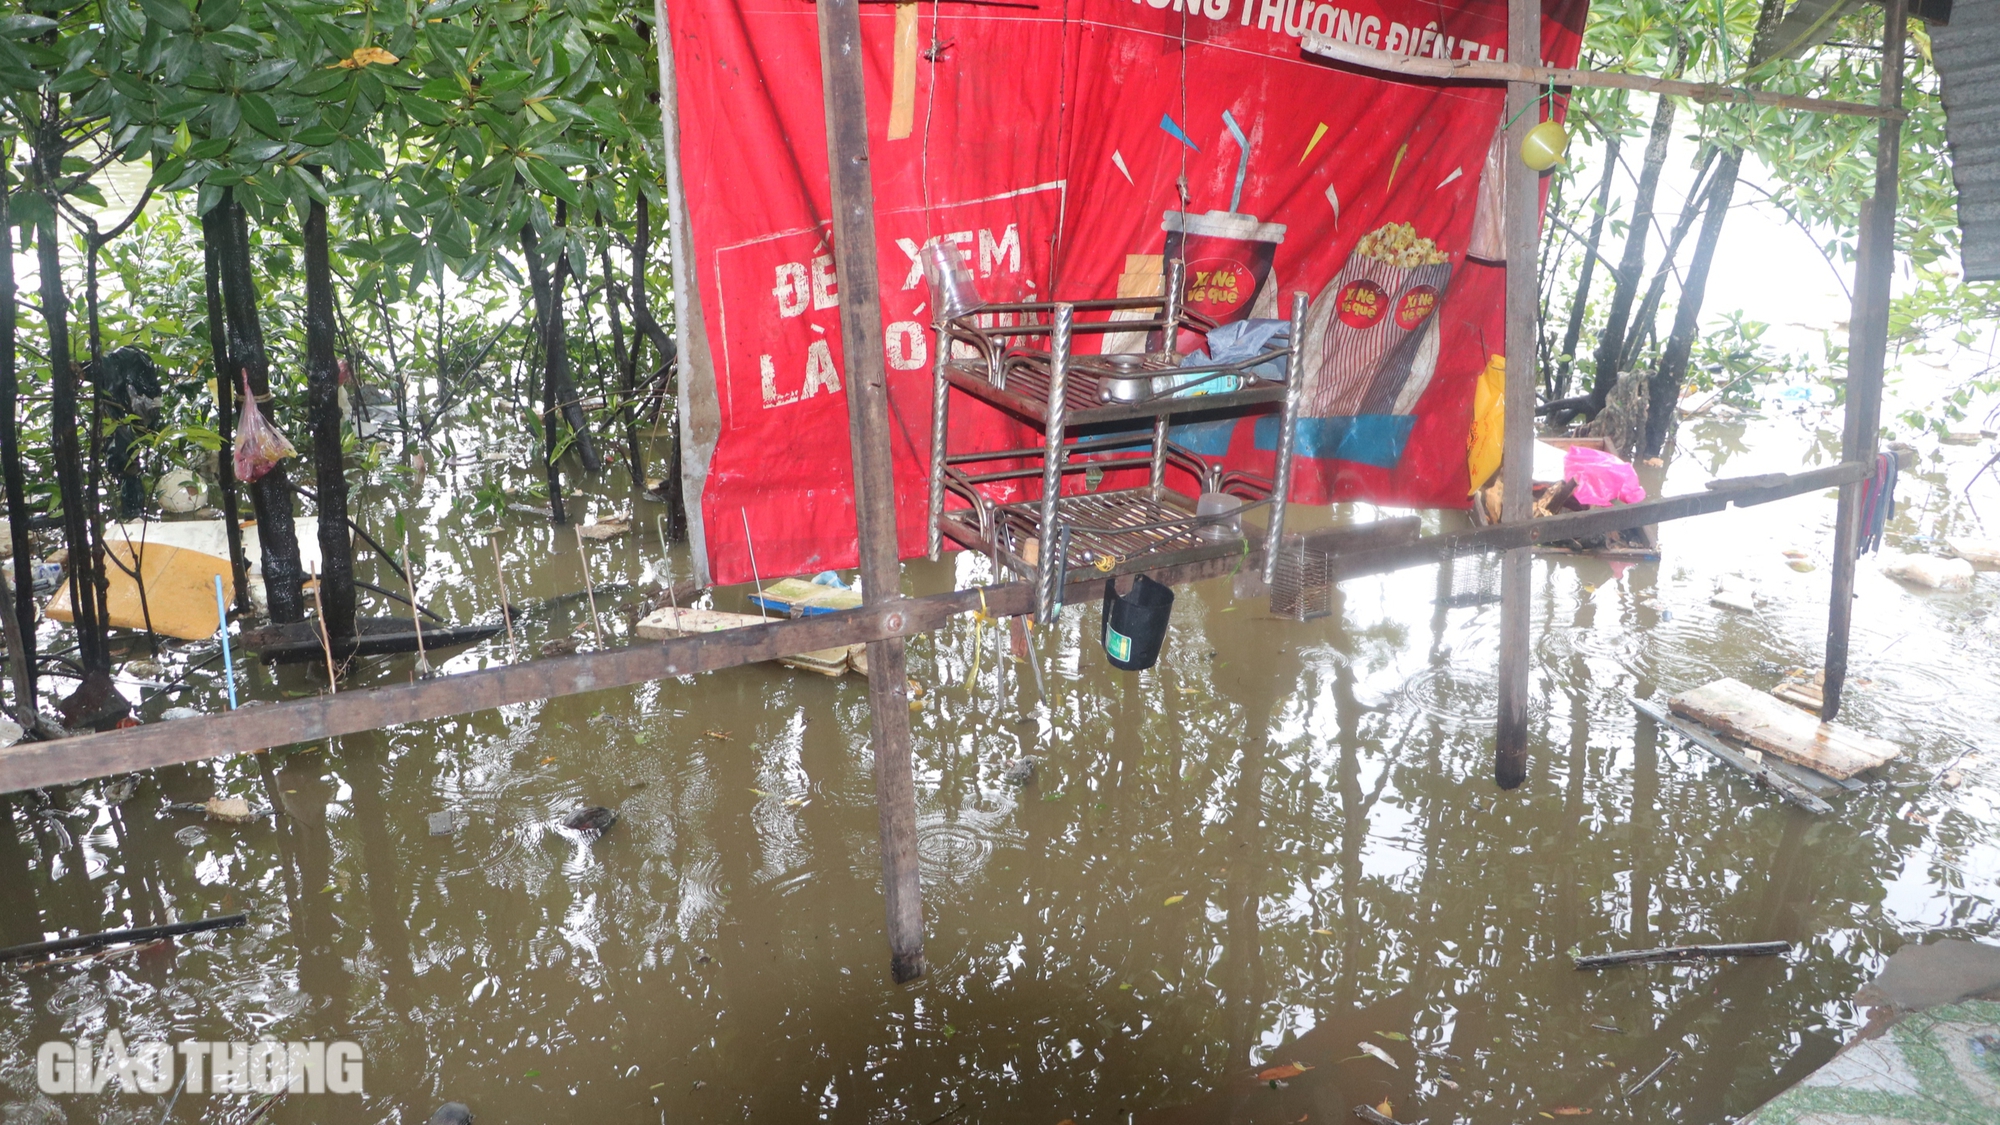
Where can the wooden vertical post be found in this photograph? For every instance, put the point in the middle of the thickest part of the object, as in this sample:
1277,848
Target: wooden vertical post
1523,226
874,484
1867,352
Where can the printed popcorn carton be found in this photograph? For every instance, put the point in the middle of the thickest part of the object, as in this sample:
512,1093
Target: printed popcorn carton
1371,347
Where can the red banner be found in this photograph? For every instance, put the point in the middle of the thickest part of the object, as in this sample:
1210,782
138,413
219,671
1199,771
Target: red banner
1068,148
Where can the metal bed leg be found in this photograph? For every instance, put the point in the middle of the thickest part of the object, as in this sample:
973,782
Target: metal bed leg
939,413
1288,424
1176,283
1159,454
1048,565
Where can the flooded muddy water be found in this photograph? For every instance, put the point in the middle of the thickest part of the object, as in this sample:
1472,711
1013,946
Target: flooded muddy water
1277,847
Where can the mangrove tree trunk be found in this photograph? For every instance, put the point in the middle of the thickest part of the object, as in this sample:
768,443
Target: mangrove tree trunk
270,494
214,234
336,570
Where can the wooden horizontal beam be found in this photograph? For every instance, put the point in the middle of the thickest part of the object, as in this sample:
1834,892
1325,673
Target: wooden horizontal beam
33,765
1478,70
1597,521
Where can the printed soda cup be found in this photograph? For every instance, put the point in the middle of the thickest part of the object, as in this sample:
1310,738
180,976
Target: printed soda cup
1228,256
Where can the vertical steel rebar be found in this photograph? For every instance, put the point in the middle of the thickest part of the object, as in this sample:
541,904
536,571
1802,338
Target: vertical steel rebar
1170,330
1048,566
940,414
1288,424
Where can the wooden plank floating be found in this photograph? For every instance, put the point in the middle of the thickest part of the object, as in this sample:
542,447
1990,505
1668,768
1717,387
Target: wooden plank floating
1762,772
1684,953
1741,711
31,765
1477,70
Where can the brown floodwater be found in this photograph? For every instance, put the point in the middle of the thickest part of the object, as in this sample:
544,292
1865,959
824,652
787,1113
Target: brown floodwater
1278,845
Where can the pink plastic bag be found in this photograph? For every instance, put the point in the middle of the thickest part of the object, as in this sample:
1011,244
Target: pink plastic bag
1601,479
259,445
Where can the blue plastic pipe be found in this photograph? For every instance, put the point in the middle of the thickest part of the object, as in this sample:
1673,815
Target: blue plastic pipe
222,623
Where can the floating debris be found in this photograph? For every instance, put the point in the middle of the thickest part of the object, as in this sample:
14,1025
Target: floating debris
596,819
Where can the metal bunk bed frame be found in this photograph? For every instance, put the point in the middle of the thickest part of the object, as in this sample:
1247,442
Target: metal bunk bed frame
1121,530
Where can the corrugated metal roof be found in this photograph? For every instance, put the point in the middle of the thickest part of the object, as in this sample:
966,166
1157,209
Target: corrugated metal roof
1967,51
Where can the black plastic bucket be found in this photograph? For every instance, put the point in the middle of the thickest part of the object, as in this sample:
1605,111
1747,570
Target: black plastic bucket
1135,624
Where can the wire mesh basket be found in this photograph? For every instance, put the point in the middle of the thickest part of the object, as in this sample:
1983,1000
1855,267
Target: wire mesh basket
1475,579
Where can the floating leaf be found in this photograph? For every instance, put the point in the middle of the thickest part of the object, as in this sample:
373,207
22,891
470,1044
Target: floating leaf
1448,1084
1377,1052
1288,1070
1125,987
760,792
1324,933
949,1031
1385,1109
1394,1036
532,1074
1571,1111
1172,899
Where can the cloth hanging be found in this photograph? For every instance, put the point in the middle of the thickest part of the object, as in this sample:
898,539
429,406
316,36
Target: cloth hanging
1878,502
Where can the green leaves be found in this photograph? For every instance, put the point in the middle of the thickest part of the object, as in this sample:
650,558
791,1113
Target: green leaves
23,26
256,110
169,14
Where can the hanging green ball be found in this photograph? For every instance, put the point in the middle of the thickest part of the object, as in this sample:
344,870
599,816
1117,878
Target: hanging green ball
1544,146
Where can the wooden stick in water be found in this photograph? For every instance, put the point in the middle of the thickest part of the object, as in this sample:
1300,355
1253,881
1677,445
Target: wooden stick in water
410,580
1685,953
751,546
115,937
325,642
589,588
506,611
667,568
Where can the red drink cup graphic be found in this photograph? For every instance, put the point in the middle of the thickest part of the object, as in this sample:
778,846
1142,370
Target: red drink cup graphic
1228,258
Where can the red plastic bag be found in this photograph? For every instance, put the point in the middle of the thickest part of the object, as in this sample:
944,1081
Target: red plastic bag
259,445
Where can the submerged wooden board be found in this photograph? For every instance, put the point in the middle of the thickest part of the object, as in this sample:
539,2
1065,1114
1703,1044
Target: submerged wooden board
662,624
1737,709
1764,773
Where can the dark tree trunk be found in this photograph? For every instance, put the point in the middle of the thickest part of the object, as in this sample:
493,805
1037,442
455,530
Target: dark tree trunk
95,701
626,358
1632,265
1643,324
336,574
10,449
1664,388
270,494
215,235
645,324
550,291
547,307
1581,299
